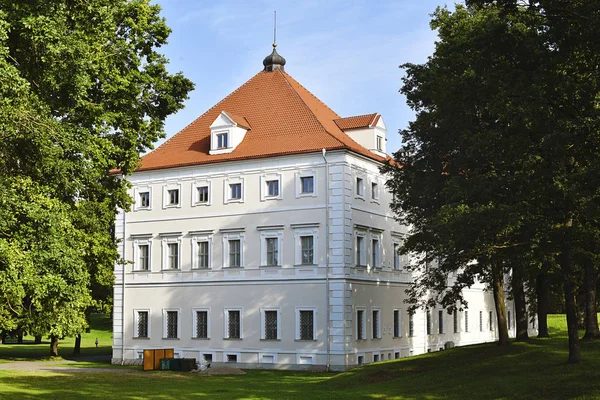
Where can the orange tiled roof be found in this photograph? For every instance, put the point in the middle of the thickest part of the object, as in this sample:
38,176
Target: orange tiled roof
357,122
240,121
284,118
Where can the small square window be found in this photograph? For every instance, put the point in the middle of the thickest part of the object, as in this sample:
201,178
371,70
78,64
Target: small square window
144,199
232,358
202,194
307,184
272,188
173,197
207,357
222,140
236,191
360,189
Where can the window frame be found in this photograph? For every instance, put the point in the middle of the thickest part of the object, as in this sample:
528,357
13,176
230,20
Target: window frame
455,322
263,320
376,256
166,195
374,192
138,190
166,241
411,324
136,332
196,185
201,237
362,322
227,237
441,325
265,179
219,142
136,253
297,311
195,311
227,190
299,187
379,143
360,251
301,230
265,235
376,325
165,323
397,323
226,334
359,186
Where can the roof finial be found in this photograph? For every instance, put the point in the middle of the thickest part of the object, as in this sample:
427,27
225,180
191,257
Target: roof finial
274,28
274,60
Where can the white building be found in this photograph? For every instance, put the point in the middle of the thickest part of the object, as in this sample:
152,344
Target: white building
261,235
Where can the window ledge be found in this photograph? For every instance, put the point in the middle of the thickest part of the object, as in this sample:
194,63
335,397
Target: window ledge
270,340
171,338
143,209
305,340
235,201
270,266
376,338
201,269
170,270
234,339
200,338
203,203
141,338
232,268
139,271
173,206
306,265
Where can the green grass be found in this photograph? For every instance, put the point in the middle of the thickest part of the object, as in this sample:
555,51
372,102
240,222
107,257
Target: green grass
533,370
101,328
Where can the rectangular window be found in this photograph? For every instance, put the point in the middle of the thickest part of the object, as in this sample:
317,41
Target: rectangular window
376,324
307,325
173,196
222,140
307,249
375,357
466,321
379,143
455,320
491,319
374,191
235,253
236,191
202,194
480,321
142,324
173,255
396,257
360,324
397,322
375,252
232,358
307,183
203,255
508,320
144,199
271,324
144,253
172,324
360,250
272,252
441,321
428,322
411,324
272,188
202,324
233,324
360,189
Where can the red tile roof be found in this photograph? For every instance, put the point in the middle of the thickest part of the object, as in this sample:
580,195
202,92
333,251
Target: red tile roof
357,122
284,118
240,121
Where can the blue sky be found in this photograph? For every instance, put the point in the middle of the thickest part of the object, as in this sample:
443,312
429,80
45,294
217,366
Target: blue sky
345,52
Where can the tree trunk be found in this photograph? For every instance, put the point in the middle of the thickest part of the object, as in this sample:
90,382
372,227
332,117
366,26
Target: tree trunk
590,282
566,264
54,346
498,286
20,338
77,347
520,307
38,339
541,289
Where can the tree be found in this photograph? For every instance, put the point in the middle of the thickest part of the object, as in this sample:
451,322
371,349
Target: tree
83,90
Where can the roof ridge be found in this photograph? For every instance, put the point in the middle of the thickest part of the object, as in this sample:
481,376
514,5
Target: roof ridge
207,111
285,76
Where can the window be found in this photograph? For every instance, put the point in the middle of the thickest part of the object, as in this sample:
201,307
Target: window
236,191
232,358
441,321
307,184
235,253
411,324
360,324
360,188
222,140
272,188
374,191
379,143
480,321
143,257
272,252
508,319
360,360
361,250
173,255
208,357
466,321
307,249
202,194
397,324
428,322
142,322
375,253
396,257
144,199
234,324
173,197
376,324
270,324
491,319
455,320
172,326
375,357
305,324
397,355
203,254
201,323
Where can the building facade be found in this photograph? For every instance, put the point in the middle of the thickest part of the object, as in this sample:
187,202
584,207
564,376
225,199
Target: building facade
261,235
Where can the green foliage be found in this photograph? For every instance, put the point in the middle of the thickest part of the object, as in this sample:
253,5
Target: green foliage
83,91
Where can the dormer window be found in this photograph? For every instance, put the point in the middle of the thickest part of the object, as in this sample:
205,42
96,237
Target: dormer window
222,140
226,132
379,143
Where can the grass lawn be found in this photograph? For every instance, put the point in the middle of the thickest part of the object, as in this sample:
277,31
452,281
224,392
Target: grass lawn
533,370
101,328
